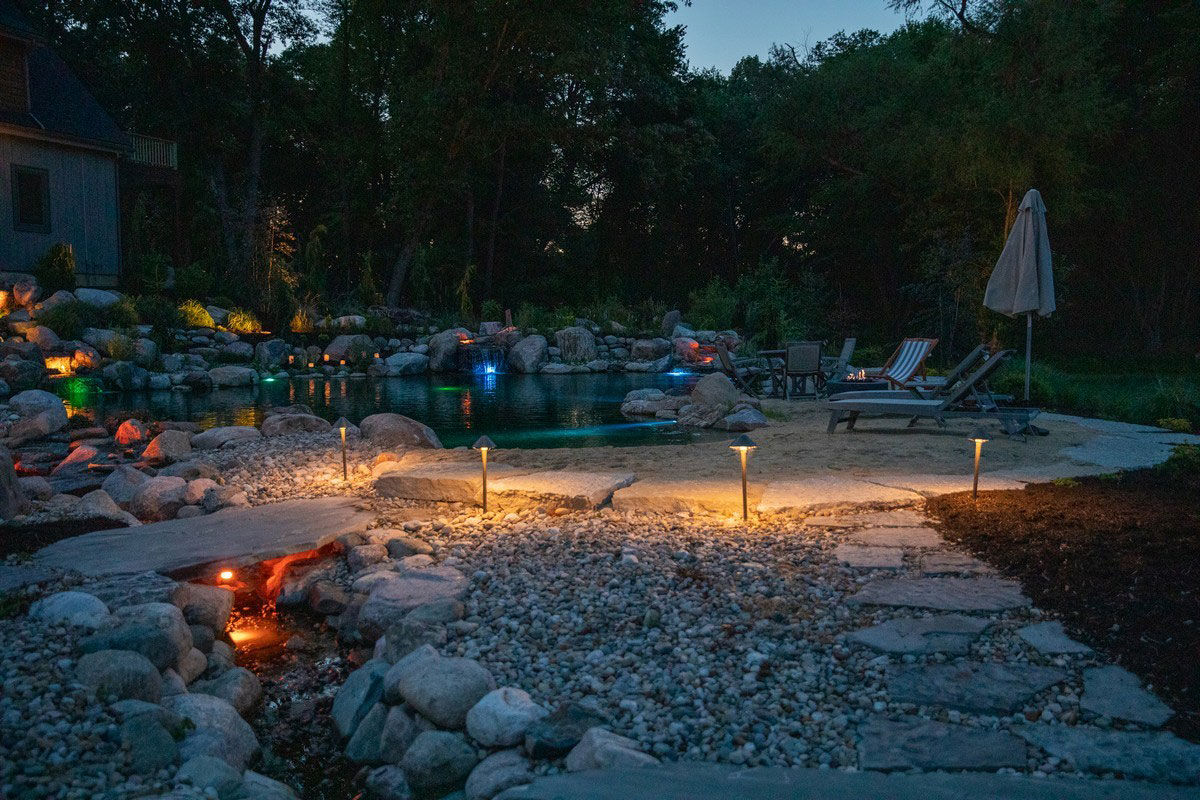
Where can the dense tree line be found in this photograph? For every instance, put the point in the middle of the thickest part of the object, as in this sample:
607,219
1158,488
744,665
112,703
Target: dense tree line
443,153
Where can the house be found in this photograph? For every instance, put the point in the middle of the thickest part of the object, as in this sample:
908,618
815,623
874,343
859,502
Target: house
59,160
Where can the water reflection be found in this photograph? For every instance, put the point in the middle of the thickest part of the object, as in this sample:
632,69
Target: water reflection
515,410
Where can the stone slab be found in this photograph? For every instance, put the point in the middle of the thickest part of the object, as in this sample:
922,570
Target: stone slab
945,633
834,492
1121,452
928,485
900,518
703,496
13,578
562,488
1051,639
1155,756
943,594
692,781
985,688
924,744
867,557
1113,691
949,562
898,537
445,482
233,537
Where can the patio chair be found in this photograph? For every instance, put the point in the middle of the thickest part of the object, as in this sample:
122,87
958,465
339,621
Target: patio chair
743,376
802,361
969,398
835,367
980,353
906,362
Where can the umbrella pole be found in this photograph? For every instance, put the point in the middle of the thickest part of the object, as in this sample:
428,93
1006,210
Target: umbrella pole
1028,350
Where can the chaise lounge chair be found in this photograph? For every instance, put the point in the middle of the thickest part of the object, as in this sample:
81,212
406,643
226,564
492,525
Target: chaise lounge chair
905,363
743,376
969,398
942,382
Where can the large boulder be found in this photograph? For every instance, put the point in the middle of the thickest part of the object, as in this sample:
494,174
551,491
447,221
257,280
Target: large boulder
107,341
407,363
32,402
98,504
443,690
80,609
272,352
152,642
438,760
216,438
132,432
603,749
283,424
159,498
19,373
60,298
649,349
744,419
218,731
13,497
238,686
229,375
123,673
122,484
501,717
576,345
528,355
350,347
97,297
168,447
498,772
396,430
357,696
400,593
43,337
717,390
443,349
205,605
166,617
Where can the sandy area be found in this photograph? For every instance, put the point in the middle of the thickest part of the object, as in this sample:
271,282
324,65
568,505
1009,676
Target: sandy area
796,446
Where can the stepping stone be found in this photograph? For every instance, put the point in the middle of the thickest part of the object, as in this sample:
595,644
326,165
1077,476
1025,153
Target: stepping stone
669,497
1116,692
865,557
1050,638
900,518
949,562
943,594
439,482
985,688
561,488
827,493
228,538
18,577
947,633
898,537
923,744
1121,452
1156,756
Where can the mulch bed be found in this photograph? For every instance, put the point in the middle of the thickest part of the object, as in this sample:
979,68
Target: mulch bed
1117,558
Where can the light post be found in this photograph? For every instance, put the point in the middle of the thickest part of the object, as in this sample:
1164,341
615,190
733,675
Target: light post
483,444
341,425
978,436
743,445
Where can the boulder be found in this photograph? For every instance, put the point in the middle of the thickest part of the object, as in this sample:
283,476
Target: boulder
97,297
219,315
349,347
219,730
123,673
19,373
43,337
107,342
396,430
97,504
77,461
603,749
365,746
528,355
36,401
438,760
442,690
501,717
207,772
206,605
71,608
168,447
402,592
145,351
84,356
717,390
230,375
238,686
558,733
388,783
158,498
400,729
60,298
443,349
238,351
746,419
498,772
25,293
13,492
698,415
215,438
132,432
649,349
407,363
163,616
259,787
152,642
196,489
576,344
361,691
283,424
220,497
272,353
122,483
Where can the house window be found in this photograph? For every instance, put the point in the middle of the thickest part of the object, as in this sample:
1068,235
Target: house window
31,199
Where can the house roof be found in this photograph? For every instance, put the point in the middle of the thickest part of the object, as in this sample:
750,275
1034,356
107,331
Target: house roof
60,106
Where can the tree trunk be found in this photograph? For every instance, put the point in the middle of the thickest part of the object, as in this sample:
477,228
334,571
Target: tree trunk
490,260
400,269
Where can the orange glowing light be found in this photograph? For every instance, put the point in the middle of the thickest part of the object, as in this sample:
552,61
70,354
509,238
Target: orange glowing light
226,574
326,357
310,365
377,355
342,362
62,365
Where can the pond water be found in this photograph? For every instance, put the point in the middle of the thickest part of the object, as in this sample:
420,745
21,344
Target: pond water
528,411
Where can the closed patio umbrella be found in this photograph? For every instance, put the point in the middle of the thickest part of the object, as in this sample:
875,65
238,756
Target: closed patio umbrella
1023,280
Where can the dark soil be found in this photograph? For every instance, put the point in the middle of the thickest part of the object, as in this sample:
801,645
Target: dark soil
1117,557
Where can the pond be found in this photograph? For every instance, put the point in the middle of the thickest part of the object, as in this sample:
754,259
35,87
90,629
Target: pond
529,411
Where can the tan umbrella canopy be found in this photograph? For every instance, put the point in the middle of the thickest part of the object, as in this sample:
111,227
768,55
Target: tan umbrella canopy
1023,280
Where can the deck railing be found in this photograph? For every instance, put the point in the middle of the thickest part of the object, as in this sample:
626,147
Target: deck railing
155,152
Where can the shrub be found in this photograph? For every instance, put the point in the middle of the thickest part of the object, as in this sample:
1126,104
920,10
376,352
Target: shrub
121,349
157,312
68,319
1176,424
121,314
379,325
192,281
1184,461
242,321
491,311
713,307
56,269
148,273
194,315
301,321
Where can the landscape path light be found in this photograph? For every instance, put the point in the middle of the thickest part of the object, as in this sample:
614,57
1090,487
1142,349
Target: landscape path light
743,445
483,444
978,436
341,425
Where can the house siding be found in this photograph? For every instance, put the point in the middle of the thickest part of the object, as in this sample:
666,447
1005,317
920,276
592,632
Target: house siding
14,90
83,209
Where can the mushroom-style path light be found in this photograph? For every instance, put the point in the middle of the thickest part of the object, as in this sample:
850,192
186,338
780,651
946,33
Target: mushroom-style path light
483,444
743,445
341,425
978,436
